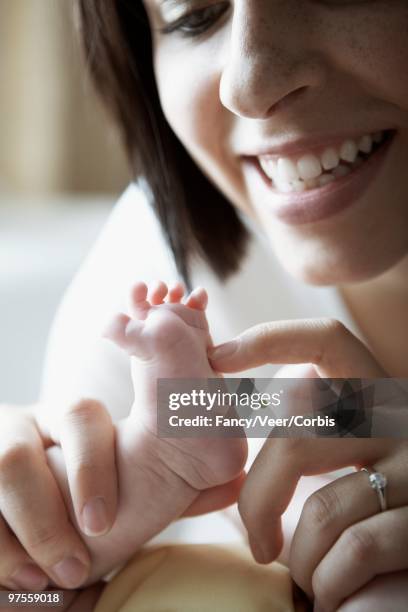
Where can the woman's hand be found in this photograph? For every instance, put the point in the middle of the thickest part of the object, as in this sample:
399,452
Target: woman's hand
37,539
342,540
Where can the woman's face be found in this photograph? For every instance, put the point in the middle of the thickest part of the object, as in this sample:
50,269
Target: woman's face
298,111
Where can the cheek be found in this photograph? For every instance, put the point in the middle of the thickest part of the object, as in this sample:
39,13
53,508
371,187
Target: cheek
374,49
189,85
189,97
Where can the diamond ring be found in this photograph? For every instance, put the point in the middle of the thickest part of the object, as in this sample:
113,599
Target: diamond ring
378,482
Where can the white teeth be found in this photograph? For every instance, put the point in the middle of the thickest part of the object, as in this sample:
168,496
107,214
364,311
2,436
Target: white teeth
309,167
348,151
298,185
268,166
341,171
366,144
310,172
325,179
311,183
330,159
284,187
287,170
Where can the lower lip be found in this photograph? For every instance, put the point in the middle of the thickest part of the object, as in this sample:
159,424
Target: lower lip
324,202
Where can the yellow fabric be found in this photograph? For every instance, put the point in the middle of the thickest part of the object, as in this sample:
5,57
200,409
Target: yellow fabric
197,578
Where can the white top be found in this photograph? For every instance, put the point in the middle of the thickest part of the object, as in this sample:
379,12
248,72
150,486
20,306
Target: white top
131,247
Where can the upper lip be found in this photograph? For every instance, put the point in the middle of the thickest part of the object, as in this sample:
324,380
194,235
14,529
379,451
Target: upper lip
298,146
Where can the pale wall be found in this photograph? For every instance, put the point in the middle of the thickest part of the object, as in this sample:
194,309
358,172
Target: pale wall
54,136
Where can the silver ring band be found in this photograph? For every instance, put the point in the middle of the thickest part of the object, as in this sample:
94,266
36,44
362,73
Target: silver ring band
378,482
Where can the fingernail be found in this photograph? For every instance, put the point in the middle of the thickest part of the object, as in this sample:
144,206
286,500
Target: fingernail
30,577
223,350
70,572
95,517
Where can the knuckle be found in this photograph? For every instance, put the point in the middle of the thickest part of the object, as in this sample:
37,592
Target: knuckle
331,330
333,327
85,468
46,541
82,457
360,543
83,411
263,335
321,509
14,456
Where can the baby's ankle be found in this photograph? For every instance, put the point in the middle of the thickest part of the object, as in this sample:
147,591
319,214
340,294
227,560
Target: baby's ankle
144,464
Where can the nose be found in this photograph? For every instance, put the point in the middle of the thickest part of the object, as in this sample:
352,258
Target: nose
271,60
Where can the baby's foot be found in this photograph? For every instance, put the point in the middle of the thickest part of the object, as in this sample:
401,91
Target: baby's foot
170,339
157,332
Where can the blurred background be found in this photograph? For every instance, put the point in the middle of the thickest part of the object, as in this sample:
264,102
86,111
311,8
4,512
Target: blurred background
62,168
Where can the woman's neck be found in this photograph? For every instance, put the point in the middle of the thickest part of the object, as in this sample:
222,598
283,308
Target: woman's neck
380,309
394,280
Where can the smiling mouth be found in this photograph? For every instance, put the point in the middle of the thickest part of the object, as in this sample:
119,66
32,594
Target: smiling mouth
312,171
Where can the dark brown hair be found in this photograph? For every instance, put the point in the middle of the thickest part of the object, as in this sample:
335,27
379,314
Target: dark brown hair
195,217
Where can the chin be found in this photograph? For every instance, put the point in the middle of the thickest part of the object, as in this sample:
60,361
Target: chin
342,257
322,269
320,276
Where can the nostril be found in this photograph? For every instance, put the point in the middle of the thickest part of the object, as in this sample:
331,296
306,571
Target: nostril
288,99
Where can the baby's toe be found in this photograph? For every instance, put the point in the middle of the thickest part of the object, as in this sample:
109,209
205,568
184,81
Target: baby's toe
176,293
198,299
138,304
116,329
139,292
157,293
127,334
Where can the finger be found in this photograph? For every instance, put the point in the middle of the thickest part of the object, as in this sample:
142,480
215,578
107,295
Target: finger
375,546
216,498
276,472
138,304
176,293
327,343
32,506
157,293
17,571
88,443
377,595
198,299
332,509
